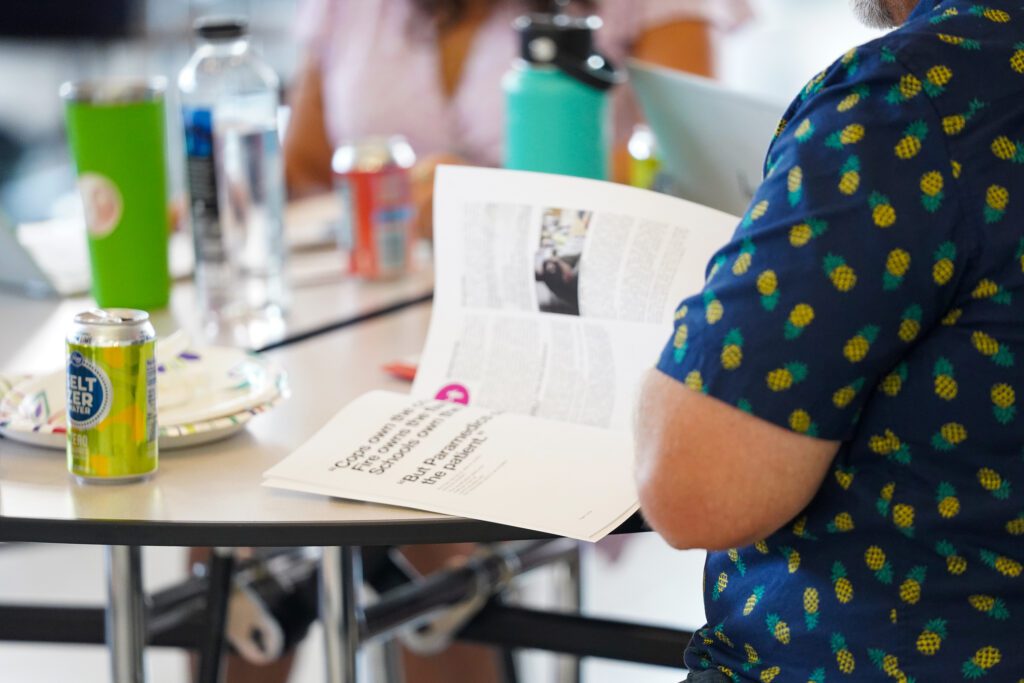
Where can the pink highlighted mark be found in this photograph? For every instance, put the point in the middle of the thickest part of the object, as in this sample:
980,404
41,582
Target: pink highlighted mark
454,393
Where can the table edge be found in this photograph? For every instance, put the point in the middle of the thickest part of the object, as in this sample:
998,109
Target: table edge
269,534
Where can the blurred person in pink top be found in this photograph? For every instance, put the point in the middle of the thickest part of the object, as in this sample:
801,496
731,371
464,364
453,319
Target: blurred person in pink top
431,70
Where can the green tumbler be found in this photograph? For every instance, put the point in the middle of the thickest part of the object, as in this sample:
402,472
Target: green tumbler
116,136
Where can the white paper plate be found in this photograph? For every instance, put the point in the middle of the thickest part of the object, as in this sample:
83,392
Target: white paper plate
210,395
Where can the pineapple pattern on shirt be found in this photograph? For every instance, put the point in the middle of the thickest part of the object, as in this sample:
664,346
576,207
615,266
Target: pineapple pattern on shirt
874,295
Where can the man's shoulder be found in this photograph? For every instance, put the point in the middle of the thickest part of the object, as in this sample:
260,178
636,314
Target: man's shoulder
967,34
955,60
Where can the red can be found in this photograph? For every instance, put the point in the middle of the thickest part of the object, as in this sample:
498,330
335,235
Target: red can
372,178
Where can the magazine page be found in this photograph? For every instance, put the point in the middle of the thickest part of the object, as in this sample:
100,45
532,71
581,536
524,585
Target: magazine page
554,294
448,458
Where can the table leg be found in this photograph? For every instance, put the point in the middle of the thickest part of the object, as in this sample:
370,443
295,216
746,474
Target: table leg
218,595
570,669
125,618
341,574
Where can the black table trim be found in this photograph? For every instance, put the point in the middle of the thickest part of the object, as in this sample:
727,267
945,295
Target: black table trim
363,317
267,534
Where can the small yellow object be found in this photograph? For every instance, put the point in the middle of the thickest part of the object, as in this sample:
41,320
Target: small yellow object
802,315
998,197
795,179
931,183
909,329
1003,147
767,283
779,380
885,444
759,210
952,317
856,349
989,479
1003,395
742,264
852,134
928,643
949,507
996,15
874,557
908,147
842,397
714,312
903,515
898,262
695,381
844,479
800,235
985,344
942,271
987,657
985,289
953,432
910,86
800,421
849,183
848,102
892,384
843,521
884,215
844,590
954,124
939,75
732,357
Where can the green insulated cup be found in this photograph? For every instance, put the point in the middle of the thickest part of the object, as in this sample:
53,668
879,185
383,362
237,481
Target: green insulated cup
116,136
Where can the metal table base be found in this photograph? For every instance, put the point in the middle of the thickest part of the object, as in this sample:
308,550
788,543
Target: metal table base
125,624
340,612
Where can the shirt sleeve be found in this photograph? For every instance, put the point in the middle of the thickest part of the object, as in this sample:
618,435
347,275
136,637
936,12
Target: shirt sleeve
312,23
848,255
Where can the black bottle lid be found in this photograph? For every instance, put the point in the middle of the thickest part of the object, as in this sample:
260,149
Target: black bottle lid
221,28
566,42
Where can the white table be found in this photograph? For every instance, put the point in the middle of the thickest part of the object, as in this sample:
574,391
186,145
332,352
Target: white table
322,295
211,495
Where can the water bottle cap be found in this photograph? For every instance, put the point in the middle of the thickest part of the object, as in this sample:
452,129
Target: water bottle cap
221,28
566,42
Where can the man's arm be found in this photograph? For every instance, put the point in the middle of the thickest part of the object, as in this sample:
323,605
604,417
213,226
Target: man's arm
712,476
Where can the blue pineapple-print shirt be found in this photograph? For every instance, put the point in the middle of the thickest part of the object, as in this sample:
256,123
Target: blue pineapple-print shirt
874,294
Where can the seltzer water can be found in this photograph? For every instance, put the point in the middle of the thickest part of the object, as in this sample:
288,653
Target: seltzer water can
372,177
111,396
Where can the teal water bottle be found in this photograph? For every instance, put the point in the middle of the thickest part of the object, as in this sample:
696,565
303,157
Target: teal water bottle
557,113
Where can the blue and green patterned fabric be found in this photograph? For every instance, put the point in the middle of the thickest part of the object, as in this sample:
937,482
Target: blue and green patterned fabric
874,295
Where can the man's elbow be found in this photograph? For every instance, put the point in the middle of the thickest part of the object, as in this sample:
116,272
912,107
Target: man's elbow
667,521
674,509
689,510
691,525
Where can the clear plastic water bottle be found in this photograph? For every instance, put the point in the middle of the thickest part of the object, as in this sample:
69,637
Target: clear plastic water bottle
229,99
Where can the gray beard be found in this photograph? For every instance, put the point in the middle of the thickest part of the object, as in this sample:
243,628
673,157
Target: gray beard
873,13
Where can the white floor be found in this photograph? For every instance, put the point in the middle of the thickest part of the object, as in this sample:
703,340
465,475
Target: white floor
649,583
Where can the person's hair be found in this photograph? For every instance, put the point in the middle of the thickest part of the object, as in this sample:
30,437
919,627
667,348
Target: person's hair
451,12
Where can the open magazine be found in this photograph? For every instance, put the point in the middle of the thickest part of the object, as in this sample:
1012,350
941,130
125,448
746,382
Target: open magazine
554,295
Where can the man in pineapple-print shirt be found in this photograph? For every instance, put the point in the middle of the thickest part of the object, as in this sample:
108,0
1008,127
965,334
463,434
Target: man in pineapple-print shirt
837,414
